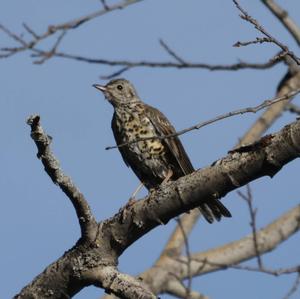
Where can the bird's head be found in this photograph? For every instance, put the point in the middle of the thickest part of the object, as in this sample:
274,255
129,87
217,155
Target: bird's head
118,92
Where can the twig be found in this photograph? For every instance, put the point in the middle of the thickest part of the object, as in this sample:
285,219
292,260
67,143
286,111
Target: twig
127,64
115,74
176,241
259,40
273,272
171,52
249,199
245,16
254,109
104,4
188,255
30,31
47,55
53,29
294,287
13,36
169,64
42,140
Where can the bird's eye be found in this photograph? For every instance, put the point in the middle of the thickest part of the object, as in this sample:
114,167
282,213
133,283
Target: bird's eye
120,87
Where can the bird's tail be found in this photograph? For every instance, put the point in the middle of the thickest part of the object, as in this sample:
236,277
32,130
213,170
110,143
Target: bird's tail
213,210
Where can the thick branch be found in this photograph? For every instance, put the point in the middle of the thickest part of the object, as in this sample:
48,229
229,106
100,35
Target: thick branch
284,18
167,277
240,167
120,284
292,82
42,140
176,288
229,255
79,267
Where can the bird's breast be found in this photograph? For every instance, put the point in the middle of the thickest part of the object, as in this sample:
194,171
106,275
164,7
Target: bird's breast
134,127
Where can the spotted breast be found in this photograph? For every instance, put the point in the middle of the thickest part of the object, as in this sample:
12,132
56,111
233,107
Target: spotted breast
147,158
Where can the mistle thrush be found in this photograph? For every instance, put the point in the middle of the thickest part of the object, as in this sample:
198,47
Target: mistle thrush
152,160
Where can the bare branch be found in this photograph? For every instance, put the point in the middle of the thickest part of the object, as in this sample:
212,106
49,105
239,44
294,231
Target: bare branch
290,82
126,65
168,64
236,252
176,241
171,52
259,40
31,31
13,36
253,212
47,55
106,7
168,275
245,16
273,272
175,288
42,140
188,255
254,109
284,18
226,174
115,74
294,287
122,285
53,29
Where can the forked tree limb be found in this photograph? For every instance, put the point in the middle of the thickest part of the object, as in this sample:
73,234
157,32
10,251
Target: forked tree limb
81,265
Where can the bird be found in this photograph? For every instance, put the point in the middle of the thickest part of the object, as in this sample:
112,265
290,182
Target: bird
157,160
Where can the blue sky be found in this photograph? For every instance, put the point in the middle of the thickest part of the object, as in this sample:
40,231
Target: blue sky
37,221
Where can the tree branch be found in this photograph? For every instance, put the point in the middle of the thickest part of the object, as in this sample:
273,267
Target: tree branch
175,243
176,288
245,16
284,18
122,285
253,211
42,140
73,271
236,252
53,29
167,277
289,83
294,287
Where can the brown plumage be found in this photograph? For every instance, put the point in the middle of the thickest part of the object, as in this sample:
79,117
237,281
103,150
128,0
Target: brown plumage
151,160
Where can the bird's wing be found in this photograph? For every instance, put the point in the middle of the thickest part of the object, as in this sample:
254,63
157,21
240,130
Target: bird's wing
175,147
118,139
212,209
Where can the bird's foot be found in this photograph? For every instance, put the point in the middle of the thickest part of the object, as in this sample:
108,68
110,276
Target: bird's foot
131,201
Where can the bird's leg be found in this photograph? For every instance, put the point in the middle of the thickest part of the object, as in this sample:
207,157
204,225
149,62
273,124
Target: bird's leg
137,190
168,176
134,194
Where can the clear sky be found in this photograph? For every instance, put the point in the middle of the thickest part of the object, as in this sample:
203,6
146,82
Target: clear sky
37,221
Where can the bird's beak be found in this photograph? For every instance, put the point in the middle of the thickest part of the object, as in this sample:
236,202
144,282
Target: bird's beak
100,87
